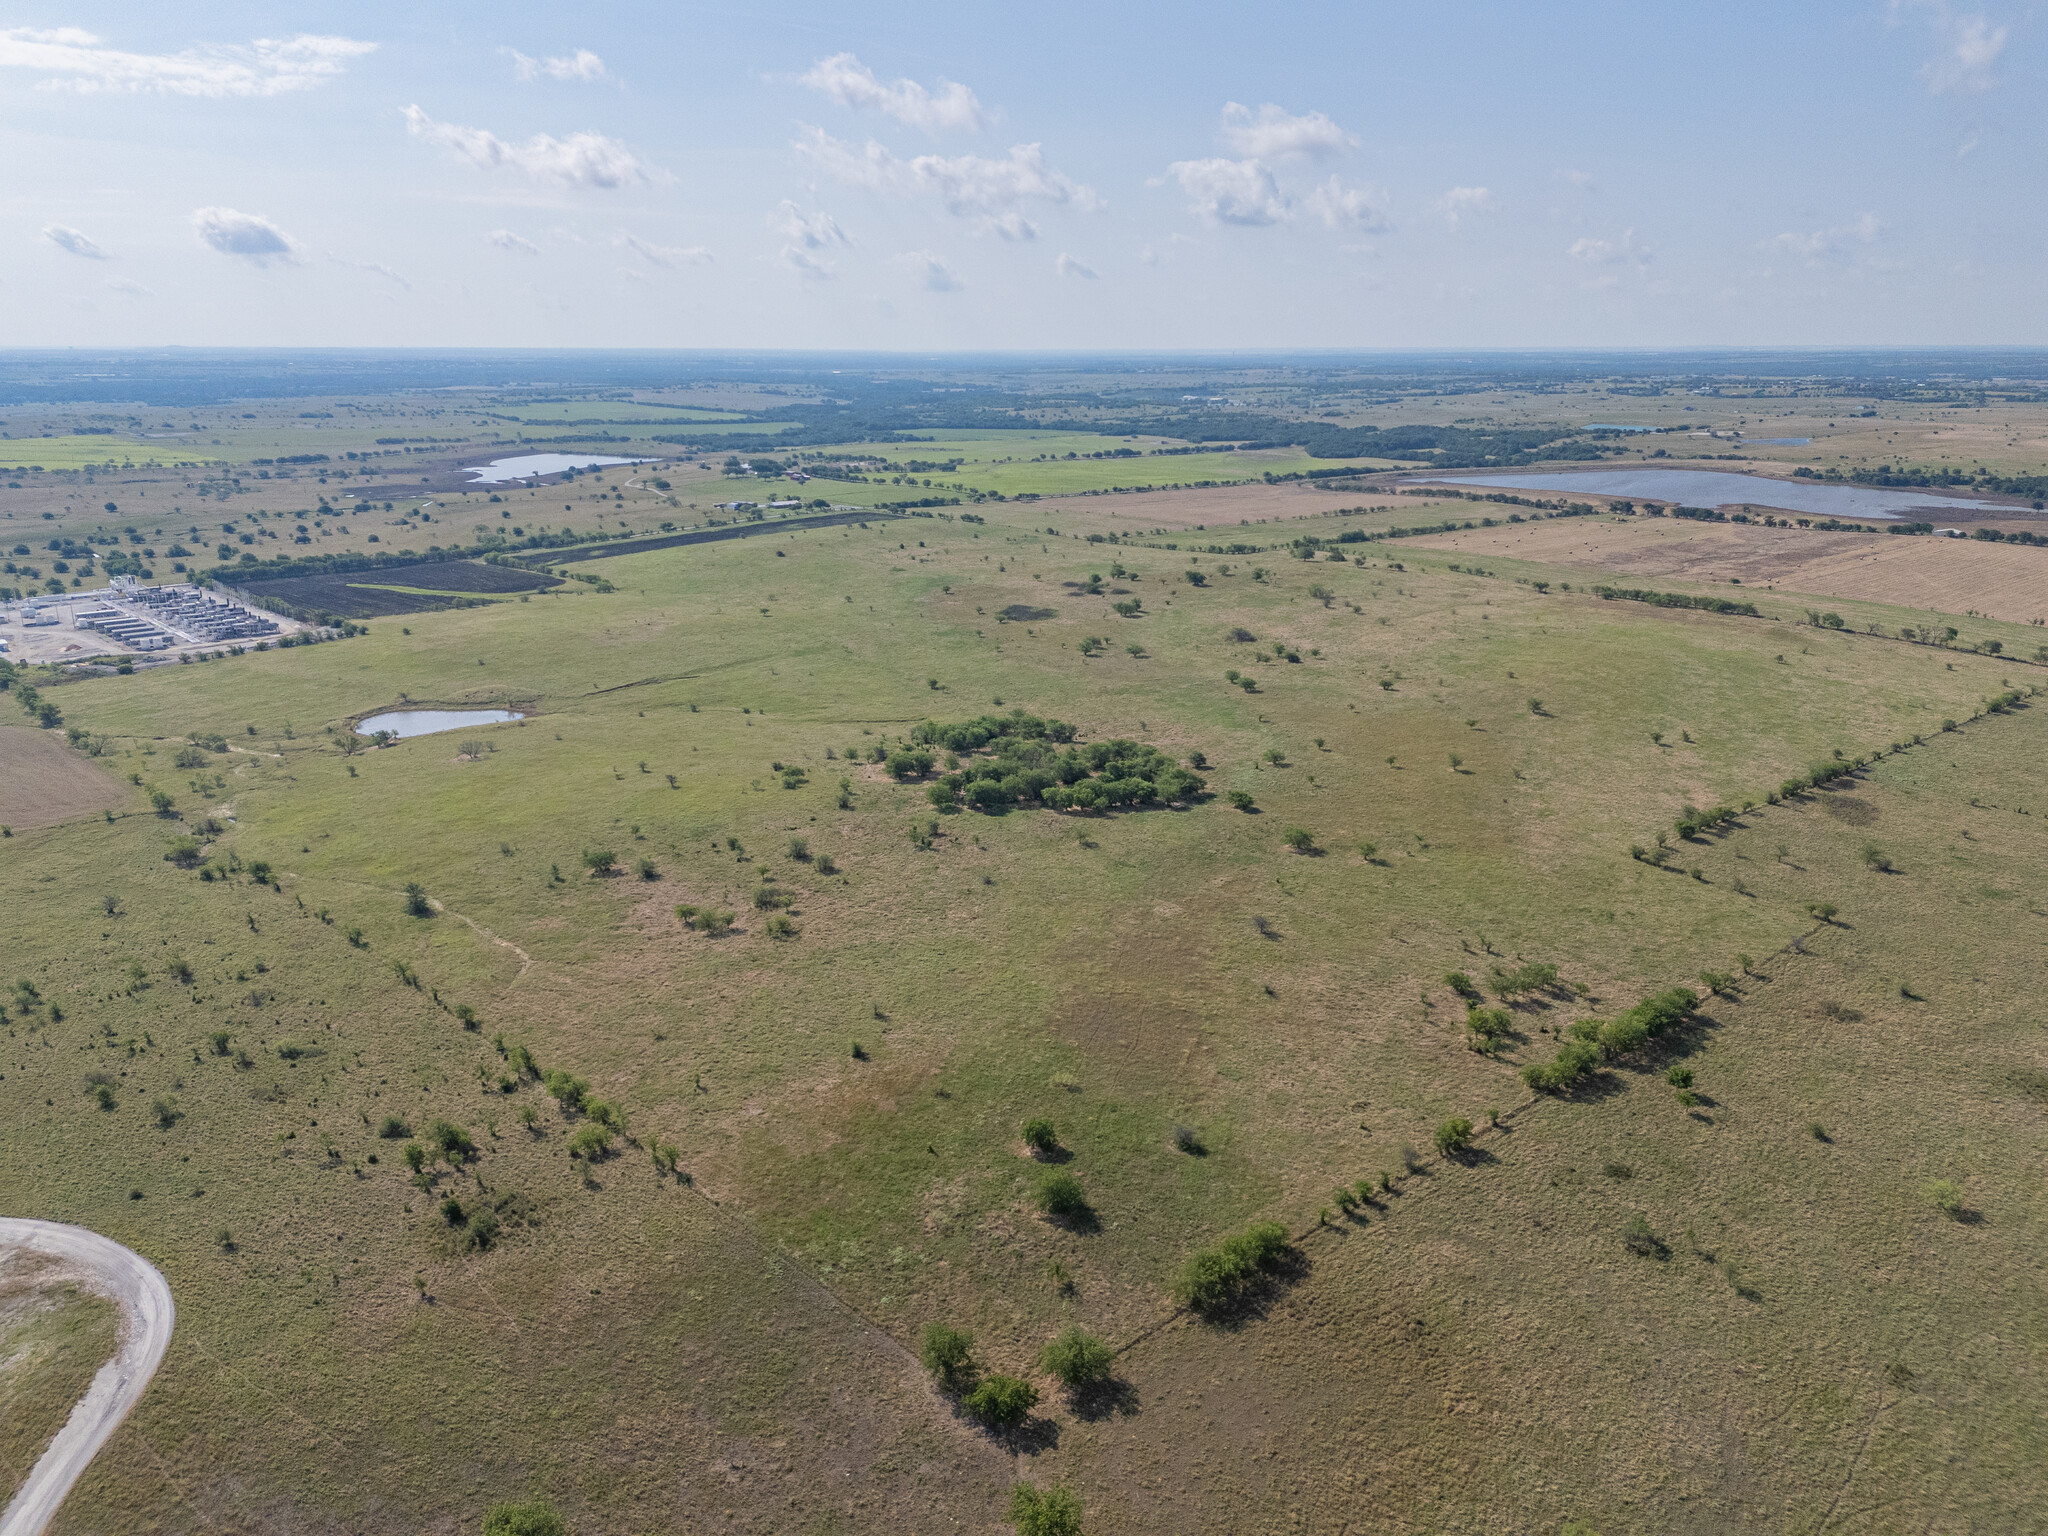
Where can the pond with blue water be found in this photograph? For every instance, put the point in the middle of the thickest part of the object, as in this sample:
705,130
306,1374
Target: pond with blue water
1720,488
425,722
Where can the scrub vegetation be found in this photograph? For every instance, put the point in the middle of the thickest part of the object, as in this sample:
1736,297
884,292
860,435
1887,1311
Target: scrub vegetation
874,1049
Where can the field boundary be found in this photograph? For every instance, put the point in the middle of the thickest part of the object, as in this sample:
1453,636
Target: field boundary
708,535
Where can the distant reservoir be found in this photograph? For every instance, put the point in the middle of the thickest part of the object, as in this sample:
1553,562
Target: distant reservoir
1718,488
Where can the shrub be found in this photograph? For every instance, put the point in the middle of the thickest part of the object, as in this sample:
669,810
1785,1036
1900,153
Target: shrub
948,1353
569,1090
1213,1277
452,1212
1040,1137
1077,1358
179,969
1876,858
1055,1512
600,861
714,921
1525,978
167,1113
1239,800
1637,1237
1189,1140
1454,1135
1461,984
451,1140
1000,1401
415,1156
1300,839
1679,1077
391,1128
1945,1195
536,1517
780,927
219,1040
591,1141
646,870
1059,1193
1488,1026
416,900
1824,910
800,849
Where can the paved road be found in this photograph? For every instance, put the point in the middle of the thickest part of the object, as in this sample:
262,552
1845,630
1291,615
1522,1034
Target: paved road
104,1267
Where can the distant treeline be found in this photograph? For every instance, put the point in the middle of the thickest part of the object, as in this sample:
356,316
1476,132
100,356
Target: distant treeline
1678,600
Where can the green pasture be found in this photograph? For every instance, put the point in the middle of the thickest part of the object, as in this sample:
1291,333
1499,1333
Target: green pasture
1471,756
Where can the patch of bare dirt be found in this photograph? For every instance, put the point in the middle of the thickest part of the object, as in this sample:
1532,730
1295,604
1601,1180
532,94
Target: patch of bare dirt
2001,581
1218,508
43,782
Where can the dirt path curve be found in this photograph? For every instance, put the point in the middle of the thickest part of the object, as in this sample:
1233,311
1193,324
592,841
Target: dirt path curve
104,1267
525,960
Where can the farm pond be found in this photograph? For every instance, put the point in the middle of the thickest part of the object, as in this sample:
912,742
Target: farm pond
425,722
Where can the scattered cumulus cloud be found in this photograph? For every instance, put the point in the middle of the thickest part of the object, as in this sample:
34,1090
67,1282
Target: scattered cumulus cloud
933,273
987,189
69,58
247,235
1242,192
505,240
375,269
1599,252
663,255
1819,245
812,231
852,84
1066,266
1273,133
806,234
65,238
580,65
582,160
1462,202
1966,44
1361,209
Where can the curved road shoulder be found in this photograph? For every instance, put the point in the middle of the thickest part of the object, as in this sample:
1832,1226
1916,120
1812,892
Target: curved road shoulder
104,1267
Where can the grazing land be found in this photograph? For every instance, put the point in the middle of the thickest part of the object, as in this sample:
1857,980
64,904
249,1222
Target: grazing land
603,1107
43,783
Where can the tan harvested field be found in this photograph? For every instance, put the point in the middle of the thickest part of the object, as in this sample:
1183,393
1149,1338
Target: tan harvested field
1217,509
42,782
2002,581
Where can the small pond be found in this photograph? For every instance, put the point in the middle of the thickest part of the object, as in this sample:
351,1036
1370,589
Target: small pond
425,722
528,465
1720,488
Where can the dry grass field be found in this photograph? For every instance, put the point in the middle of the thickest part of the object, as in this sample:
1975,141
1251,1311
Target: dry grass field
1756,1307
42,782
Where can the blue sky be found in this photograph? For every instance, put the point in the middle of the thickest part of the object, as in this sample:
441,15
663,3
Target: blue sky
1058,176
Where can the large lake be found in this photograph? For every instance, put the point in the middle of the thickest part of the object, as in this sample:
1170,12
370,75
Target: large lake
527,465
425,722
1718,488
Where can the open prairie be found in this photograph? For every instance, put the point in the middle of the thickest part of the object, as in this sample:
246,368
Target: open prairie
1220,1029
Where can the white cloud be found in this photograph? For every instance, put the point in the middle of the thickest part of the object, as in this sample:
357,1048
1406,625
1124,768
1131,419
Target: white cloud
812,231
69,58
852,84
663,255
1818,245
807,233
65,238
580,65
931,271
1600,252
970,186
1461,202
129,286
1967,44
1231,191
247,235
505,240
1272,133
587,160
1355,208
1066,266
376,268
